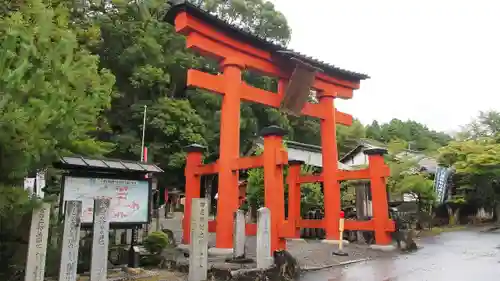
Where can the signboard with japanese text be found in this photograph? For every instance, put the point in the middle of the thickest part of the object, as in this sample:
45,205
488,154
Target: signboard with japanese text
440,183
129,198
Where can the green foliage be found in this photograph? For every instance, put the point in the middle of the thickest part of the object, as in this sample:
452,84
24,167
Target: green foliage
399,169
417,135
51,90
311,195
15,209
348,193
487,124
258,17
476,163
156,242
255,187
475,159
479,157
419,186
348,136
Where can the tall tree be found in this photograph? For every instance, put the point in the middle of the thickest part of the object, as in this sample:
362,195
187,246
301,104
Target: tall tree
52,91
258,17
348,136
476,163
417,135
150,62
487,124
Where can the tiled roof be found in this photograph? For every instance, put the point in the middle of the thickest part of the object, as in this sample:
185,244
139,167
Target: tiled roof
79,162
245,36
310,154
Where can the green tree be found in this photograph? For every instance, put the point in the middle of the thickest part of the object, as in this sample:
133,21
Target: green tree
311,194
487,124
52,91
150,62
417,135
476,165
52,95
348,136
406,178
259,17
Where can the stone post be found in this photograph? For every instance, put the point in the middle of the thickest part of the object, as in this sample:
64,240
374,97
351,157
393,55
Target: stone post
239,234
70,241
37,250
198,249
264,255
100,240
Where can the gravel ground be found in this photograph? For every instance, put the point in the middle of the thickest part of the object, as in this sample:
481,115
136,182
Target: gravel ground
313,253
309,253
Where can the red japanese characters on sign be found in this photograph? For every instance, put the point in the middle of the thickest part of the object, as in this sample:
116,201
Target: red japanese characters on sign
134,206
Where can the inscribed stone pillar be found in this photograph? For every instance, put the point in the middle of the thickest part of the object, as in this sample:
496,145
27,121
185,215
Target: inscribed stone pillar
70,241
37,250
100,240
239,234
264,257
198,254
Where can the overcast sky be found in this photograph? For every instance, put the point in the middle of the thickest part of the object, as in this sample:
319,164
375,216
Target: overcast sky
433,61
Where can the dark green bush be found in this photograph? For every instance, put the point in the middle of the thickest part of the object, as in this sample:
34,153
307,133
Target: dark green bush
156,242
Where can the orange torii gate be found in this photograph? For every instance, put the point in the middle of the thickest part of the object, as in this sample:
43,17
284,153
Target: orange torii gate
236,51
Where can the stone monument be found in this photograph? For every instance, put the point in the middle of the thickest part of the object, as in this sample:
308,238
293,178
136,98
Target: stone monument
39,234
239,235
198,250
100,240
70,241
264,255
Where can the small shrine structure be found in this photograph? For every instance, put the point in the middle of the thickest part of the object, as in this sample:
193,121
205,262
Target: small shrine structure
297,75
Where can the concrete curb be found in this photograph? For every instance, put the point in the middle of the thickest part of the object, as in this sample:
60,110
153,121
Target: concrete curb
383,248
316,268
334,242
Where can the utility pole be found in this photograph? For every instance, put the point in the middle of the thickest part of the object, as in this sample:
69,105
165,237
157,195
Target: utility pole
143,132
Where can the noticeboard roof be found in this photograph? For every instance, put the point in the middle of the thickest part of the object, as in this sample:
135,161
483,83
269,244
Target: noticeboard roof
80,162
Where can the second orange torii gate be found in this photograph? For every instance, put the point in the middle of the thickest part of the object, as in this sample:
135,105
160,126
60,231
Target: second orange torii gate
236,51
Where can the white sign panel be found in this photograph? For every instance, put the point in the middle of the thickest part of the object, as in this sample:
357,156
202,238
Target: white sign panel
40,183
29,185
129,198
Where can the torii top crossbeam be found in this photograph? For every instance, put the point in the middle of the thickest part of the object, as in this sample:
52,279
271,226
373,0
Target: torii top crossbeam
214,38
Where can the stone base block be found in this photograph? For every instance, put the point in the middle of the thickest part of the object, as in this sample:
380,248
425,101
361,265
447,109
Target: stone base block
296,239
334,242
220,252
183,248
383,248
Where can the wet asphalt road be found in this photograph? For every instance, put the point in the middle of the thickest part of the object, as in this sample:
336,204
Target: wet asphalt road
453,256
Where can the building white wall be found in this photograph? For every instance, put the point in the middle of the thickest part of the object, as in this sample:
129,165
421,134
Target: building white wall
358,159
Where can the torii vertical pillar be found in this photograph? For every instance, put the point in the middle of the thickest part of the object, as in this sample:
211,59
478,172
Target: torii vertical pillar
294,197
227,202
193,183
379,195
331,186
274,190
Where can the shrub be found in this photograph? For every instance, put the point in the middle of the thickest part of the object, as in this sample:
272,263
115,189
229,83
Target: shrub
156,242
